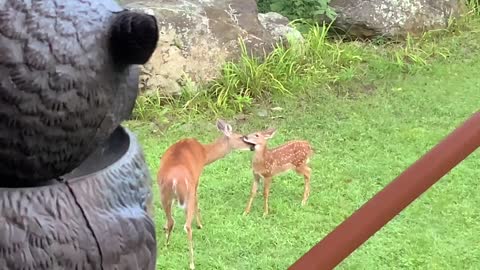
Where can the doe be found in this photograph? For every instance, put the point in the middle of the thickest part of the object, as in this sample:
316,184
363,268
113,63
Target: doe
267,163
180,170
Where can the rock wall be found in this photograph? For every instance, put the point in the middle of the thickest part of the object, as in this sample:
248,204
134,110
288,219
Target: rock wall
393,18
198,36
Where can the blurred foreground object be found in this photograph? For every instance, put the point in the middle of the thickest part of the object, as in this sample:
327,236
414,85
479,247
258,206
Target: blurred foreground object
98,218
75,191
68,77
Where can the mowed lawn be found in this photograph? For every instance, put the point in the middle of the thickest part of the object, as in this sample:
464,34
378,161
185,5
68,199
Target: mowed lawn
361,145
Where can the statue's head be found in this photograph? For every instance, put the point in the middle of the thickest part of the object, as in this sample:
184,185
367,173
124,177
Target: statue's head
69,74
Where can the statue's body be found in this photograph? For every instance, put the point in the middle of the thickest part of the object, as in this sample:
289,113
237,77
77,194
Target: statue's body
68,77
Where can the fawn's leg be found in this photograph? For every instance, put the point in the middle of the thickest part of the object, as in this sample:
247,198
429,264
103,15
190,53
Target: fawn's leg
253,192
197,213
169,223
306,172
190,212
266,191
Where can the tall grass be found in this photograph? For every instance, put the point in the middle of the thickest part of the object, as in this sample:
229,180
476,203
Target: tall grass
277,74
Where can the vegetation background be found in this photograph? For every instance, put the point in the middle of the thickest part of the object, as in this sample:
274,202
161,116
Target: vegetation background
369,108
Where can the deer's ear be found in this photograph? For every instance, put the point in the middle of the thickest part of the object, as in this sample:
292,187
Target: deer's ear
220,124
269,133
224,127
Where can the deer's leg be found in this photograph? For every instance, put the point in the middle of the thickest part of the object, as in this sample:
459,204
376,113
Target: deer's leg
190,212
197,213
306,172
253,192
266,191
169,223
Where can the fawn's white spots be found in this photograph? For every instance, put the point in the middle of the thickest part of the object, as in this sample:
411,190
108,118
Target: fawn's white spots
268,163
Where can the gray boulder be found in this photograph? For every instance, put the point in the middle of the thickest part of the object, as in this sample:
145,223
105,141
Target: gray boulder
392,18
197,37
278,26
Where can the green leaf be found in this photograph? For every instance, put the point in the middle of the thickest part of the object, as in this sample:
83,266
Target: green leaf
319,12
277,6
331,14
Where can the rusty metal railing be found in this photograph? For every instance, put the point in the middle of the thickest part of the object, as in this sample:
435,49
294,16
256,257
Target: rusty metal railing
392,199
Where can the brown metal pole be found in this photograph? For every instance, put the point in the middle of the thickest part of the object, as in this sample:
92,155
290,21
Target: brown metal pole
390,201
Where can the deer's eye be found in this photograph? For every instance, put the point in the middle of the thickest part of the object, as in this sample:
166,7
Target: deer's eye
256,135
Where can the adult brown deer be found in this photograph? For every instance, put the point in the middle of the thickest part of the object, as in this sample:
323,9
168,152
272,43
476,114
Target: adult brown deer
267,163
179,174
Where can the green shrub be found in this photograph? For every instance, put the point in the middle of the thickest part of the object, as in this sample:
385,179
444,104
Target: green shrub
310,11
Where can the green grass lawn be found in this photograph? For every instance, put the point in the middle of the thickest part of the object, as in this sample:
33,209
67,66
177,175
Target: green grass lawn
361,145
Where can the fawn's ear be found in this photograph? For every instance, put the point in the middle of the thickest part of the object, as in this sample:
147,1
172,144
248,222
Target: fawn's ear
224,127
269,133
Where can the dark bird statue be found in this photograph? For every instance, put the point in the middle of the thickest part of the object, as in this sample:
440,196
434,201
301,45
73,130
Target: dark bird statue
68,77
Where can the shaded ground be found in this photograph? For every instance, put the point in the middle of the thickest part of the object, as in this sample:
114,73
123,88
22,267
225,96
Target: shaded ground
361,144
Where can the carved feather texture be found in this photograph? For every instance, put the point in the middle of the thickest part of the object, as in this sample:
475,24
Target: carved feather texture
86,223
60,92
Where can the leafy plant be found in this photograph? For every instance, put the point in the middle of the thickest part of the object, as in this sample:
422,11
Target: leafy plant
310,11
